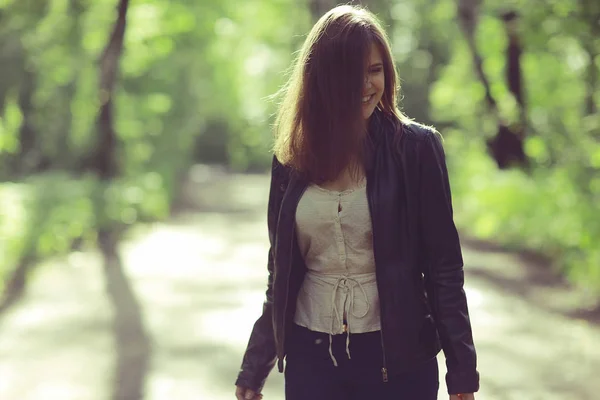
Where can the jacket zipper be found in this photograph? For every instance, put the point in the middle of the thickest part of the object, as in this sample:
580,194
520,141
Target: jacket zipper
384,371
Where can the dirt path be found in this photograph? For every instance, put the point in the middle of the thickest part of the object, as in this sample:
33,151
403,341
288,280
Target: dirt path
200,279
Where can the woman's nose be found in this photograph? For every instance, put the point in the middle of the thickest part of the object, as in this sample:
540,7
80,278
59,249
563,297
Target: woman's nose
367,83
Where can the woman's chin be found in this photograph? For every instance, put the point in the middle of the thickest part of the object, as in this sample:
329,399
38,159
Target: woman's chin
368,111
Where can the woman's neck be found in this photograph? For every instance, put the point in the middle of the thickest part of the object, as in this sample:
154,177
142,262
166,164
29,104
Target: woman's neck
349,178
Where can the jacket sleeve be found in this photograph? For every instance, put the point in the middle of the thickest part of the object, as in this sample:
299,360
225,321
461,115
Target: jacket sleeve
260,355
444,276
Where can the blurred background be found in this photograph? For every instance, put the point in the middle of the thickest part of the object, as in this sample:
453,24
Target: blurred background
134,155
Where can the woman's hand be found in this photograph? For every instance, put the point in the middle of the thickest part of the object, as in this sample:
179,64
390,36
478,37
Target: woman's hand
242,393
462,396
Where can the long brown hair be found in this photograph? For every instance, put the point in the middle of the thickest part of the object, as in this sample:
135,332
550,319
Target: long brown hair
320,129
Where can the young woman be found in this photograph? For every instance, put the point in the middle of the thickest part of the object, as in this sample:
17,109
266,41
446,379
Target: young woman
365,267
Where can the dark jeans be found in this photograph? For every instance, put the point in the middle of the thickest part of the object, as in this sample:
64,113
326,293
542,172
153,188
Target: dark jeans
310,373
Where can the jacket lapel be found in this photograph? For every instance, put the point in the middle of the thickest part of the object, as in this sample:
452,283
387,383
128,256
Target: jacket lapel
286,224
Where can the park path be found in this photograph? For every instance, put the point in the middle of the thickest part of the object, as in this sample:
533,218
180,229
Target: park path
200,278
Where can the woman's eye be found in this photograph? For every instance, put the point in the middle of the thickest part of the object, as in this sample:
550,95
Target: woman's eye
376,70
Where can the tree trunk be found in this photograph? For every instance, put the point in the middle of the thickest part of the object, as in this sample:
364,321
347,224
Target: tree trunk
104,161
132,342
507,146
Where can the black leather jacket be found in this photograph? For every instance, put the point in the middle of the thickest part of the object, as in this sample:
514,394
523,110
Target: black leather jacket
418,262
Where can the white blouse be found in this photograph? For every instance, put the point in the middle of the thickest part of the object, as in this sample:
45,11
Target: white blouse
335,238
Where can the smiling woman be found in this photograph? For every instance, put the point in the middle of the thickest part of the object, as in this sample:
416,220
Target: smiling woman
365,267
343,73
374,82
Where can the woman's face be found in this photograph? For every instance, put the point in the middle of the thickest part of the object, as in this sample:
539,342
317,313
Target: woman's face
374,82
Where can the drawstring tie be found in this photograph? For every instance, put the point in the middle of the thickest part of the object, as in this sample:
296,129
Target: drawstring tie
347,285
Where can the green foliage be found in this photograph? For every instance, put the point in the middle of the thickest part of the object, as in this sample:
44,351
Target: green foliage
545,211
554,209
43,215
194,83
9,126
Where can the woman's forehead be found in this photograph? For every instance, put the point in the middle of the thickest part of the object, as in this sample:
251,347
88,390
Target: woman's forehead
374,54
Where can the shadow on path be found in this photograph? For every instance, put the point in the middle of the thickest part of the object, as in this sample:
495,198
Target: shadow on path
131,340
201,278
531,277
